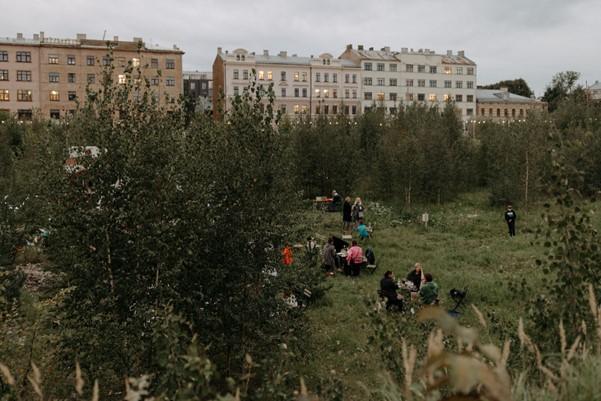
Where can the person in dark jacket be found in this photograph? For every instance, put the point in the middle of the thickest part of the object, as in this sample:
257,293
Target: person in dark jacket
329,257
388,289
510,217
347,217
416,276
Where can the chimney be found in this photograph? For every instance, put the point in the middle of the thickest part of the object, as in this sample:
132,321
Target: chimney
461,53
219,50
283,53
20,36
115,38
360,47
371,48
404,50
36,36
386,49
449,52
81,36
266,52
349,47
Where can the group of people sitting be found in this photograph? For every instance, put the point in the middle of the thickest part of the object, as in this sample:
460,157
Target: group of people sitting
336,256
418,284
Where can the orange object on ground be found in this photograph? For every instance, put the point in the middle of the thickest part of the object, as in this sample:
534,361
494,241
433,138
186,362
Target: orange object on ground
287,255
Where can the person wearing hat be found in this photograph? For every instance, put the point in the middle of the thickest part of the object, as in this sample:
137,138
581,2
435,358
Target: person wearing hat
510,217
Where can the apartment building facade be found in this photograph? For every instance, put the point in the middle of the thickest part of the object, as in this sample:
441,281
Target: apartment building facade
501,105
48,75
394,78
302,85
198,88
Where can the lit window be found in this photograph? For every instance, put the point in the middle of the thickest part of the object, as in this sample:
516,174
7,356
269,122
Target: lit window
135,62
326,93
52,59
122,79
4,96
296,109
296,76
269,75
447,97
261,75
317,93
432,97
380,97
54,96
448,69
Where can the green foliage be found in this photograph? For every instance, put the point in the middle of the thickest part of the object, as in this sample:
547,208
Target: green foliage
561,87
518,86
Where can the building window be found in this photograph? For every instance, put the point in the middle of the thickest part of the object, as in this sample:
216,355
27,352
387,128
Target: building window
521,112
54,77
409,68
90,60
53,59
432,97
421,68
498,112
469,98
283,75
459,71
23,57
3,75
326,109
380,81
4,96
236,91
304,77
421,83
392,81
335,78
347,78
421,97
54,96
317,77
317,109
296,76
448,84
380,66
91,78
367,81
24,95
354,78
470,70
326,93
335,93
433,69
296,92
367,96
459,84
304,109
346,110
409,82
269,75
459,98
448,70
296,109
154,63
470,84
317,93
283,109
506,112
326,77
106,61
283,92
71,60
122,79
170,64
72,96
353,110
236,74
432,83
334,109
354,93
3,56
392,67
347,93
392,96
155,82
469,112
135,62
245,75
55,114
304,92
170,81
446,97
512,112
392,110
367,66
71,77
409,97
261,75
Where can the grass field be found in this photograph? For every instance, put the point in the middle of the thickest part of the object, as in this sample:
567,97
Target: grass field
465,246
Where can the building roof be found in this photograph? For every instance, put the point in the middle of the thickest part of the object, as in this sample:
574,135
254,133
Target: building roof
296,60
385,54
595,86
499,96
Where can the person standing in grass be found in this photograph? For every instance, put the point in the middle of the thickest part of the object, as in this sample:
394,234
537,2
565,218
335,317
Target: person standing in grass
358,210
510,217
429,291
354,257
329,257
347,217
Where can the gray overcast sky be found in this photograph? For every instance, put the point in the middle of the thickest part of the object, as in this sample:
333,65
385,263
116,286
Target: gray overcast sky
532,39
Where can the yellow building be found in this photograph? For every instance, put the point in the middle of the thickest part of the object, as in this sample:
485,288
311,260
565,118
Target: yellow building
49,74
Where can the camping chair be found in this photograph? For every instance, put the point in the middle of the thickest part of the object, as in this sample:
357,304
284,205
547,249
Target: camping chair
370,265
458,296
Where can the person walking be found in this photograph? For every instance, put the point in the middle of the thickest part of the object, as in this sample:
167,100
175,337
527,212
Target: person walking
510,217
347,217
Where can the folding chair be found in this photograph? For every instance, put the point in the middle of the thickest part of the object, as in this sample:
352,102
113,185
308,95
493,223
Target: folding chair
458,296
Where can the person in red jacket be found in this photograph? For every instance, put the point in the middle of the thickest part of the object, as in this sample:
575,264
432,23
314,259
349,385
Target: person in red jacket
287,258
354,258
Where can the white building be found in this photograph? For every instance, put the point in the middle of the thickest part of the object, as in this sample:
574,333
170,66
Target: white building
302,85
392,78
594,91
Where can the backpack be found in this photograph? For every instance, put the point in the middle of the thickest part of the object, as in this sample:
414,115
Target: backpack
370,256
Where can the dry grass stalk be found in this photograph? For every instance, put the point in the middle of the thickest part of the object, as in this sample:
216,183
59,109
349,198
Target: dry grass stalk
480,316
95,391
35,379
409,358
78,379
8,377
562,338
